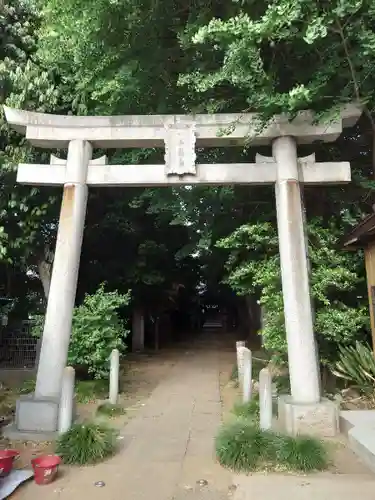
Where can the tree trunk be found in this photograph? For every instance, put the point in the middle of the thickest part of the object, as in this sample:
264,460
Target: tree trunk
157,325
138,330
45,270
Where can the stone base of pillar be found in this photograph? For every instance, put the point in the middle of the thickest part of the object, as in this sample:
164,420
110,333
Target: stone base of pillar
36,419
13,434
319,419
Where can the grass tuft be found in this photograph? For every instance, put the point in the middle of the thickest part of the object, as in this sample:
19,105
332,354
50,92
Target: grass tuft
242,447
301,453
91,390
86,443
86,390
110,410
248,410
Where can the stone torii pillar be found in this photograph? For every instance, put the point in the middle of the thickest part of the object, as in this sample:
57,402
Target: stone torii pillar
40,413
61,298
303,358
302,352
304,410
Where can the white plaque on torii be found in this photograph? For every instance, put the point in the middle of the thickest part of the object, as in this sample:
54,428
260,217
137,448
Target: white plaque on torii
180,149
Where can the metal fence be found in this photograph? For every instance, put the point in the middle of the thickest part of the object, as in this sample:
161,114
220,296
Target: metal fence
18,348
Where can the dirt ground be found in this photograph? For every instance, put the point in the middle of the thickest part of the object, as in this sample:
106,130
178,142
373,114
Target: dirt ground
139,377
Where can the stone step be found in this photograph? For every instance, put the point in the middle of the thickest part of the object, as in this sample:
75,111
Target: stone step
359,427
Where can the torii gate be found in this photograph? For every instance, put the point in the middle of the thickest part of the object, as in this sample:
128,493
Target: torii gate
180,134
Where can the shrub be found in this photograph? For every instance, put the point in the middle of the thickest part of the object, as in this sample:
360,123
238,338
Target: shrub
357,365
96,331
242,447
86,443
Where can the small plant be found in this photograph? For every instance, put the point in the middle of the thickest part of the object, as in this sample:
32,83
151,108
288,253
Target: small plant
110,410
86,443
357,365
248,410
91,390
27,387
301,453
242,447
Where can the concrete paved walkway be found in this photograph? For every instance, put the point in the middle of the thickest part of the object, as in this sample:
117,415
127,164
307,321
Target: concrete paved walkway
312,487
166,448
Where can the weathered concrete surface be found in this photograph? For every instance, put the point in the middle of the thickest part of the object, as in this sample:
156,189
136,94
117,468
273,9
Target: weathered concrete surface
166,449
320,419
359,427
302,354
215,174
47,130
58,319
279,487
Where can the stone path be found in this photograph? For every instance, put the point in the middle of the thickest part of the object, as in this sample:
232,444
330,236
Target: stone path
166,448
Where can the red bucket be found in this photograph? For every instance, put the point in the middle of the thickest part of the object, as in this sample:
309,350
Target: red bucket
6,461
45,468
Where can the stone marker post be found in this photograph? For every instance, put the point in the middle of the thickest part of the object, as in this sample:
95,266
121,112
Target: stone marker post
240,345
265,399
247,375
66,400
114,376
